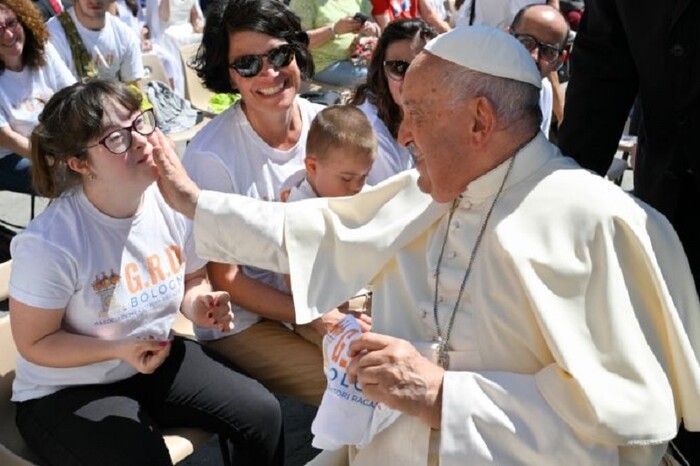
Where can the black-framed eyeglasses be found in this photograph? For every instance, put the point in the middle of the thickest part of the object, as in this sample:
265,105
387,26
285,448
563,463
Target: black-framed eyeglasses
250,65
10,24
119,141
396,69
547,53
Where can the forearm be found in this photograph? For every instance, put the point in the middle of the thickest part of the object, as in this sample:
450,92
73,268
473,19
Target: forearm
320,36
196,284
15,142
62,349
557,97
554,3
251,294
164,10
431,17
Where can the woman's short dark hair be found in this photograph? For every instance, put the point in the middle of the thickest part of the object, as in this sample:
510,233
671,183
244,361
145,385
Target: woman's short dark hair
376,88
271,17
35,32
71,119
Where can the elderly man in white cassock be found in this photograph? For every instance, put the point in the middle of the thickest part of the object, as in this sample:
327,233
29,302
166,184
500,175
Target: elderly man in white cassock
525,311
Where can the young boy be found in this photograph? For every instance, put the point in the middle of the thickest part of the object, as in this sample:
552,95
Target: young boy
340,149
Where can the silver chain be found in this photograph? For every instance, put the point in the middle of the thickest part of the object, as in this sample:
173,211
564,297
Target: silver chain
443,356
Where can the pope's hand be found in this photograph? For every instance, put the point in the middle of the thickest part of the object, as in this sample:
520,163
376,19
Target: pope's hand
178,189
213,309
144,355
391,371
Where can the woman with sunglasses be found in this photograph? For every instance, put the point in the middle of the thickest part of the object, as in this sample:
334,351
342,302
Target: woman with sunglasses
380,96
257,47
97,280
30,72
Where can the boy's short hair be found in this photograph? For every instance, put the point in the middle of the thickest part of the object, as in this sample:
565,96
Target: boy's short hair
341,127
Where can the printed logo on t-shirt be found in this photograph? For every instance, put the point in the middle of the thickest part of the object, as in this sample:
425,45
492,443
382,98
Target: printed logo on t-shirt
33,104
139,287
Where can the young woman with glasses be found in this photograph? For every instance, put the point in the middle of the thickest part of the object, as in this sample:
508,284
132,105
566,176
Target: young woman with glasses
380,96
258,48
30,72
97,280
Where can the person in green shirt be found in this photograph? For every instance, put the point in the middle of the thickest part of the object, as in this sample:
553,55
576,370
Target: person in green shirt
332,26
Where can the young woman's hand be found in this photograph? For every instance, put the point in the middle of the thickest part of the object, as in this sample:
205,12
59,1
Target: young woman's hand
213,309
144,355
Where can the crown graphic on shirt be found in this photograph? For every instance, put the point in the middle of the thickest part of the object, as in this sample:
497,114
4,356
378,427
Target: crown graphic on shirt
106,282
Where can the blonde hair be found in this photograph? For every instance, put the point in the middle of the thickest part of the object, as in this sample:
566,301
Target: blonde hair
341,127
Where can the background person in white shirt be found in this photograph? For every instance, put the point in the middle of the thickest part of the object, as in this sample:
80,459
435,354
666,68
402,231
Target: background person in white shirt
526,311
30,73
113,47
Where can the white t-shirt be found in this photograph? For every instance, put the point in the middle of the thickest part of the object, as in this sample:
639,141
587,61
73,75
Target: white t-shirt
392,157
178,27
227,155
546,102
496,13
115,49
23,94
116,278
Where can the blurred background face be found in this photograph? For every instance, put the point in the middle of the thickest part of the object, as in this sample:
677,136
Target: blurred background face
271,89
547,26
339,173
11,37
402,50
93,9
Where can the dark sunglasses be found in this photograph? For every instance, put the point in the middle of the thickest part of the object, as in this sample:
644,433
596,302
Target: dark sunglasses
119,141
250,65
396,69
545,52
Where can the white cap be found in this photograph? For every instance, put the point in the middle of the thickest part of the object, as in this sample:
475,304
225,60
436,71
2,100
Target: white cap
487,50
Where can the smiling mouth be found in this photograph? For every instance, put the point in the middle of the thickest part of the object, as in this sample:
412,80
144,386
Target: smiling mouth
14,41
272,90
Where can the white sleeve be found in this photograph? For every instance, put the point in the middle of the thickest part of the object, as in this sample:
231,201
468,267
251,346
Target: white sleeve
60,75
132,65
57,37
501,418
43,275
332,246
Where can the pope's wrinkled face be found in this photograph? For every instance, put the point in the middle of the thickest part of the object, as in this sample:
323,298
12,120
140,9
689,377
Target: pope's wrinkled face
434,127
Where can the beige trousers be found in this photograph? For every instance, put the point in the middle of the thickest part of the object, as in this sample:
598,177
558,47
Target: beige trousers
282,360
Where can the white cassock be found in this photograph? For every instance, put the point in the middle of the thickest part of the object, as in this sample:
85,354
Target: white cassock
575,342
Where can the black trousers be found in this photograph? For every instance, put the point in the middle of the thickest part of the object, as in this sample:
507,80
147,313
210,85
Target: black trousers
119,424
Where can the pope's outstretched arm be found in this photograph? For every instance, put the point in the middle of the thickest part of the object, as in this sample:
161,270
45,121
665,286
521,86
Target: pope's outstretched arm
227,227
